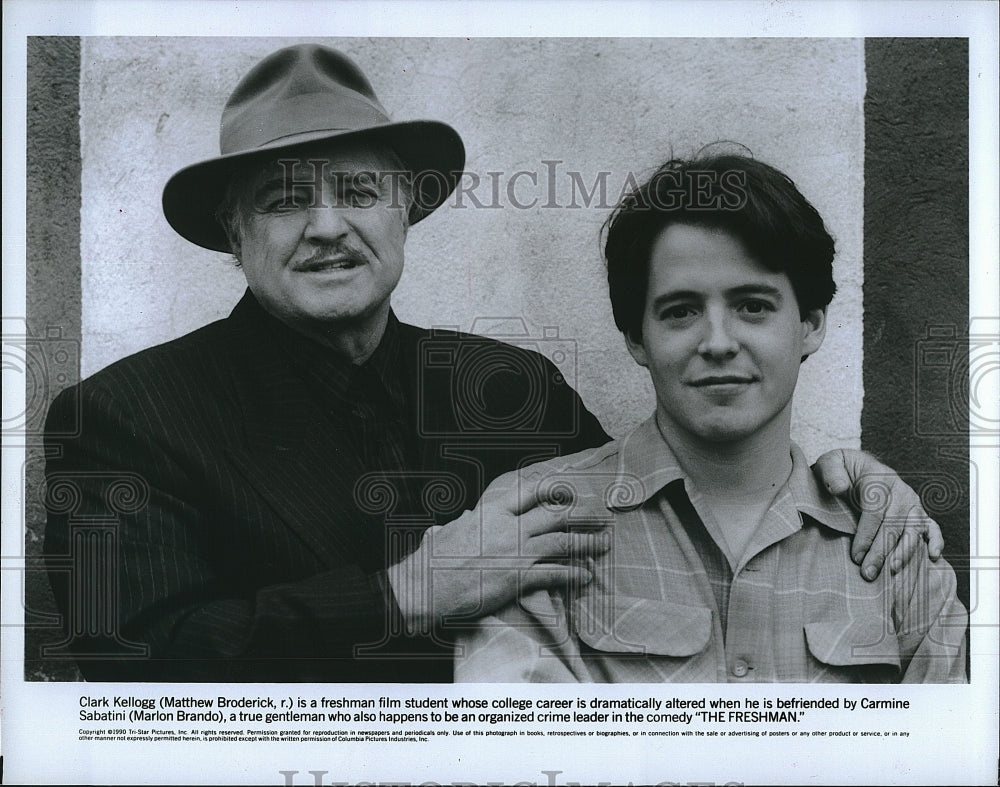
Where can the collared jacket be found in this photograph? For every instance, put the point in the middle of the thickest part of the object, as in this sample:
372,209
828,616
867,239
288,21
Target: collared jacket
665,605
211,519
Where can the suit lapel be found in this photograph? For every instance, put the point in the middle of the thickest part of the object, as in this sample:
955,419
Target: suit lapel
296,457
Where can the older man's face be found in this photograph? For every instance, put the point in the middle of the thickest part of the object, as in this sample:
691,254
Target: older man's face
322,245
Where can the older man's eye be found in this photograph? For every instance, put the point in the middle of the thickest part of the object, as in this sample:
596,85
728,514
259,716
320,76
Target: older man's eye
284,201
361,195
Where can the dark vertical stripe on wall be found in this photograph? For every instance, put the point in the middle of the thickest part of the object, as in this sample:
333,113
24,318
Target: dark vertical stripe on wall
53,191
915,414
52,195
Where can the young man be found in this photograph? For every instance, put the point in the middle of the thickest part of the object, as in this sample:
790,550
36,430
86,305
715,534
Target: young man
729,562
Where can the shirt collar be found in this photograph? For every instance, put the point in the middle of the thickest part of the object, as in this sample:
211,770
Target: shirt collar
646,464
812,499
385,360
334,372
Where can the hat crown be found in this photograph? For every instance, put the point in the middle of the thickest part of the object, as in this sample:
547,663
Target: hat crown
303,90
301,95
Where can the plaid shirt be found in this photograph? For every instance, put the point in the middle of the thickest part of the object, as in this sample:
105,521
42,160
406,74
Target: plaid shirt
665,605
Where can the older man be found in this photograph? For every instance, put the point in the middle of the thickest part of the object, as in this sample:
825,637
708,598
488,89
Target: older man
295,491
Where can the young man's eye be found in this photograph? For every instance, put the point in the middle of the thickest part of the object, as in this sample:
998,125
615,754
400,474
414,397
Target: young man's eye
756,306
677,313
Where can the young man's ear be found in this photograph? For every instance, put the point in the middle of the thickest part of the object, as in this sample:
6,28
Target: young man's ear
813,331
636,350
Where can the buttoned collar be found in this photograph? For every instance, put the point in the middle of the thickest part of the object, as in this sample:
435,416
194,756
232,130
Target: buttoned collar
334,373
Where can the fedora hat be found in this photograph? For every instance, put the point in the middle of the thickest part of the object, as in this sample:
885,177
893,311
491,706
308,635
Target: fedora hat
299,95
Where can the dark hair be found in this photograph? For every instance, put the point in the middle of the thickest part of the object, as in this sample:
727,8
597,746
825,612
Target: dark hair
749,199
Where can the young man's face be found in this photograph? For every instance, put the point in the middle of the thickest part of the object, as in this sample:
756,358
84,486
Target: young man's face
722,337
329,255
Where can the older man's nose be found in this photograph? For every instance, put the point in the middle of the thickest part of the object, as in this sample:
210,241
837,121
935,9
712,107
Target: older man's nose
326,221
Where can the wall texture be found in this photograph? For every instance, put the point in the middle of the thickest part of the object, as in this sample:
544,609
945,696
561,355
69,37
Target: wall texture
917,274
150,106
52,270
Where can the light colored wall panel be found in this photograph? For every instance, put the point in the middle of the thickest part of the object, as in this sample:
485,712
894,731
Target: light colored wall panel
151,105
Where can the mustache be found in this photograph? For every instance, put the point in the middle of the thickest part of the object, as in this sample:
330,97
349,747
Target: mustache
339,250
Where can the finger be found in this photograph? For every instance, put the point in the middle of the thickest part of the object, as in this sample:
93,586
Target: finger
864,537
863,481
832,473
905,549
858,463
554,577
550,517
562,545
903,503
934,537
884,542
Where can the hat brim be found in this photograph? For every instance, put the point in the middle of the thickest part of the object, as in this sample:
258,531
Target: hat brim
430,150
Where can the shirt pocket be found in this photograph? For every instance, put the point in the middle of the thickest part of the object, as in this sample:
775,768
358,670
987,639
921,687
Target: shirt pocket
627,624
858,649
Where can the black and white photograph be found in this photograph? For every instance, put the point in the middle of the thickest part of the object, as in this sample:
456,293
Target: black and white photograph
379,395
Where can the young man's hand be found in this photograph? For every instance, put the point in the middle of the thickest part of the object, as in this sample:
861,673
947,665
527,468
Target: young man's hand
510,544
892,521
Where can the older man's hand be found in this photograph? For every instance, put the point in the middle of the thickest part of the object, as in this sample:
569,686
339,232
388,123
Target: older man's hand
892,522
508,545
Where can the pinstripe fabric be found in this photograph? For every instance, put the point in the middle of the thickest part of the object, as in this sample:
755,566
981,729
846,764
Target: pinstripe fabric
250,538
664,604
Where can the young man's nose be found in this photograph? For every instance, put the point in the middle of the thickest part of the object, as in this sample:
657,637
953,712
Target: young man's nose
717,340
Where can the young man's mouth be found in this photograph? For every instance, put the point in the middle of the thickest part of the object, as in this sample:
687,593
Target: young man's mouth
717,381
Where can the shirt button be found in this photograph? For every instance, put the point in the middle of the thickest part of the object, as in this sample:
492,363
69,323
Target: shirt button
740,668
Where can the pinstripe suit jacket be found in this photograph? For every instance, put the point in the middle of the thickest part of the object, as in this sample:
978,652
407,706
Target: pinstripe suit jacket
208,521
